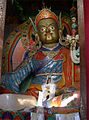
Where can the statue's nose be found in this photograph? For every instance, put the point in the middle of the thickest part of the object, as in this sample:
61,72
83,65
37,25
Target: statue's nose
47,30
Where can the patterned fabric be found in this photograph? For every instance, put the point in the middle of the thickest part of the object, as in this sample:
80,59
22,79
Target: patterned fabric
59,67
12,80
10,115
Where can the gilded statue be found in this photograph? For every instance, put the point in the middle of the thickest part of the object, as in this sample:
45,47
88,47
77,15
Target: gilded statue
51,60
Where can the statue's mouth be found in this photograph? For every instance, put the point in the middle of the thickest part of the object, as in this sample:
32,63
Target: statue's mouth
48,34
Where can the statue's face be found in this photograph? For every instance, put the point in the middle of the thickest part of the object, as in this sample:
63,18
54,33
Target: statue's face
48,31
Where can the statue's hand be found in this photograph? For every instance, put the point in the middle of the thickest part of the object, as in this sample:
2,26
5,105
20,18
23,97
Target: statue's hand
25,83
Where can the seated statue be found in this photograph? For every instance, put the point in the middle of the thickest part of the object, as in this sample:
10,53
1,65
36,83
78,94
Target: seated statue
52,60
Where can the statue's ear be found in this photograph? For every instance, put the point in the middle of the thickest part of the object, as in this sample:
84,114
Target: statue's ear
62,40
36,37
37,40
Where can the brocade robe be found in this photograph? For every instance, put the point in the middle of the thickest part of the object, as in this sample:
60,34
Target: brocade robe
59,67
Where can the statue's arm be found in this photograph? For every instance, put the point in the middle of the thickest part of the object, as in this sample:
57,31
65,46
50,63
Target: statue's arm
18,80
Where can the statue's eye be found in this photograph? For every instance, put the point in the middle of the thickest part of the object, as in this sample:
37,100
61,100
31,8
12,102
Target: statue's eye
52,28
42,29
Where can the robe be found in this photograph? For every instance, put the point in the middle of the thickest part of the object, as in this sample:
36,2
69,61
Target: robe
59,67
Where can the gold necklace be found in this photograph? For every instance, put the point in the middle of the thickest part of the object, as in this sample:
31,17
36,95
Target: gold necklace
51,53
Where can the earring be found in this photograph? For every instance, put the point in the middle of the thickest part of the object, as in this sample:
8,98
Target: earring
37,41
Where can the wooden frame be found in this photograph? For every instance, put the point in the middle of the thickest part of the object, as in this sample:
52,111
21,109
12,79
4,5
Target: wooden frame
82,51
2,23
80,8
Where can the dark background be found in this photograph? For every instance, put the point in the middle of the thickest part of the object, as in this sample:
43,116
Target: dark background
22,9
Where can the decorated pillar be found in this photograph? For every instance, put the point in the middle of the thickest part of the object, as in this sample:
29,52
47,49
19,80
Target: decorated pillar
2,22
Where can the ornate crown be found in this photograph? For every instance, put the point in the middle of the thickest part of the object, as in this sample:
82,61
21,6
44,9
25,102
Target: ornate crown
45,13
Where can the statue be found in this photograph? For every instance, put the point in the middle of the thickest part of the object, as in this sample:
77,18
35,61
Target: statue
52,59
